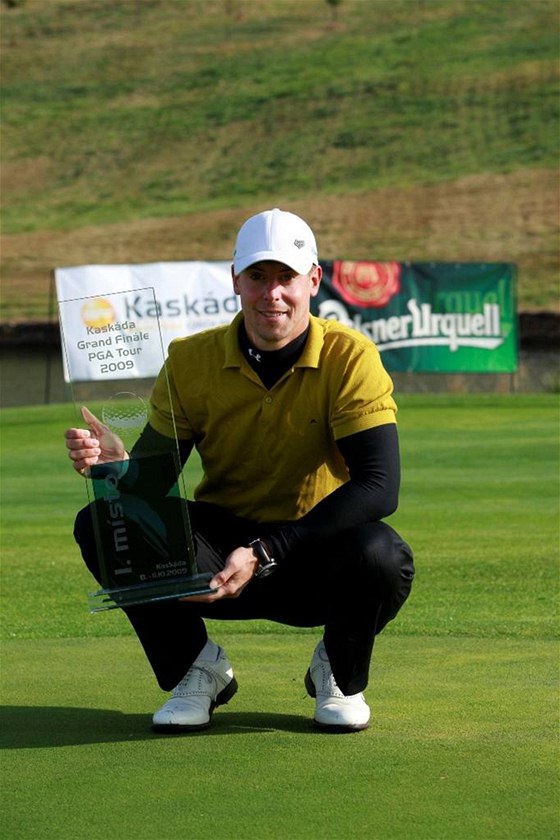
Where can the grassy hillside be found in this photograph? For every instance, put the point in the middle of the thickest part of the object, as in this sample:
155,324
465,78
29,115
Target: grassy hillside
408,129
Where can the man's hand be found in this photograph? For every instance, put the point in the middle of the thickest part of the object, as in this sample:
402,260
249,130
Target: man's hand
96,445
234,577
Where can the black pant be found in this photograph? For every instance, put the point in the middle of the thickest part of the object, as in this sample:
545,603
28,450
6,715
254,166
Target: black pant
352,585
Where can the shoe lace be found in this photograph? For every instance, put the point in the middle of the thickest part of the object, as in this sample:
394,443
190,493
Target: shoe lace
195,672
327,683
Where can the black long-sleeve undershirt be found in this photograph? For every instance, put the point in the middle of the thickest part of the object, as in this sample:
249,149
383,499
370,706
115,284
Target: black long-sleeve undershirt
373,463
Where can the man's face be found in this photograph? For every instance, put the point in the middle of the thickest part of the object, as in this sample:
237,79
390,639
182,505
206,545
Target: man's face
275,302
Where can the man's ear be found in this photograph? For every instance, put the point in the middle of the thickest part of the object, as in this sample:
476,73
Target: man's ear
234,277
316,277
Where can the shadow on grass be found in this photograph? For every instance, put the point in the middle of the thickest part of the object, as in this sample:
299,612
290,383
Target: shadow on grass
24,727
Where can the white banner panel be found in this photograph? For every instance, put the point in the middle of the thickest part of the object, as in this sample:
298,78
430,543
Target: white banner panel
185,297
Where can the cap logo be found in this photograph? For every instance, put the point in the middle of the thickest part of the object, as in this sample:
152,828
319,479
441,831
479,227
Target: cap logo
299,243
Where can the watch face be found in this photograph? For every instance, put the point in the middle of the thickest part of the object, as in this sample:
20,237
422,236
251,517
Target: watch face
264,571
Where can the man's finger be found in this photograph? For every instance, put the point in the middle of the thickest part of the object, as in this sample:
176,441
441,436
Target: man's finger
77,434
90,418
82,442
219,580
205,599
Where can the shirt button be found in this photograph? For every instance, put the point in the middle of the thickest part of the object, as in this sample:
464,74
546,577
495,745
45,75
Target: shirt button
268,400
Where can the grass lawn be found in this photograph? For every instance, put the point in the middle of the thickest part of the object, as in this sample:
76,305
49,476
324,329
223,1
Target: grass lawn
464,685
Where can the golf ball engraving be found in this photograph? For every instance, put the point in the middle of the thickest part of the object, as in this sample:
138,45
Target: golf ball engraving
125,412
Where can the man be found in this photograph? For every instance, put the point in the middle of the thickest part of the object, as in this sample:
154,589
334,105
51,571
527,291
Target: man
294,420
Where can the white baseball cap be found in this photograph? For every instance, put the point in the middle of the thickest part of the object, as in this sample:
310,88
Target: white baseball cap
275,235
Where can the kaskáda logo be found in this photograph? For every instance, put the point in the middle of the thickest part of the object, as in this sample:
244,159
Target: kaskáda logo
188,307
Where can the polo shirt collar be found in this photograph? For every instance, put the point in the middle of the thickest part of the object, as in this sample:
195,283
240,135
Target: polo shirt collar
234,356
309,357
313,346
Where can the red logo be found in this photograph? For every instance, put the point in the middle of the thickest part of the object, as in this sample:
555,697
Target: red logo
367,283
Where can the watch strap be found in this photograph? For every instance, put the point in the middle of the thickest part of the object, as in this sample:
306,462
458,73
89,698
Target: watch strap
267,564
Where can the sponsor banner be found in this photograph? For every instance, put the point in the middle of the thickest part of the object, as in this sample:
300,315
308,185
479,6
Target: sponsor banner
426,317
100,342
108,311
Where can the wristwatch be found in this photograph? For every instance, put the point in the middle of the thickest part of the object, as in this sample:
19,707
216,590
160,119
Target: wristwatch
267,564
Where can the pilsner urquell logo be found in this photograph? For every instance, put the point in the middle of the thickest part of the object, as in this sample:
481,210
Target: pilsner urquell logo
367,283
422,327
98,312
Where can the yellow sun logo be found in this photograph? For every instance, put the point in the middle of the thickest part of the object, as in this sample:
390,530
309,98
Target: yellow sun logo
98,312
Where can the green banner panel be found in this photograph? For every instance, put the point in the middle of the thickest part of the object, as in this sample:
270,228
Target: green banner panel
427,317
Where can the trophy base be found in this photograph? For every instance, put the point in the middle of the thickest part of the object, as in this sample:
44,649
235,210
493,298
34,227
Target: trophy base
151,592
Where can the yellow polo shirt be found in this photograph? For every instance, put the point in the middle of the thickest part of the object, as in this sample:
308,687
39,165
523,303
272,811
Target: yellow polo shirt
271,455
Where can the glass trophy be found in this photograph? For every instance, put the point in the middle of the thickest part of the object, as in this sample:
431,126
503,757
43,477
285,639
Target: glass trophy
112,352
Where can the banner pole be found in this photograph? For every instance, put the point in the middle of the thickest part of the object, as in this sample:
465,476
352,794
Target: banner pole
48,355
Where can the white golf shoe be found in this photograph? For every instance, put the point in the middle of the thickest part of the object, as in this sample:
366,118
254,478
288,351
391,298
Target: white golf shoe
333,709
208,683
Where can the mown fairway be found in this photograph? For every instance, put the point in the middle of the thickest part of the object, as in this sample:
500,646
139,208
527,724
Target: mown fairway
463,685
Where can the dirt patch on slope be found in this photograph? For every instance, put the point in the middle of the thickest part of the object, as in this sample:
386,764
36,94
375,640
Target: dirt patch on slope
510,217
